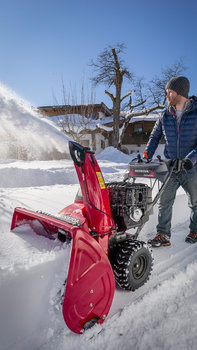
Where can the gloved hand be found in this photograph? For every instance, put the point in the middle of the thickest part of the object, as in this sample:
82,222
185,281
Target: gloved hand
187,164
169,162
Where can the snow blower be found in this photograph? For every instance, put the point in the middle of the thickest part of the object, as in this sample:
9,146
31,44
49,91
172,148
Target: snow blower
99,223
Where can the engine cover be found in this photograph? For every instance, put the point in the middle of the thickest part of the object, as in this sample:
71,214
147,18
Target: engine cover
128,202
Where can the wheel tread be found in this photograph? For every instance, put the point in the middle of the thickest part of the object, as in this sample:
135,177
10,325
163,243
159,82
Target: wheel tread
126,253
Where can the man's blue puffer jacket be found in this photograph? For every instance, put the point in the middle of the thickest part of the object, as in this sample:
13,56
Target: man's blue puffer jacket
180,135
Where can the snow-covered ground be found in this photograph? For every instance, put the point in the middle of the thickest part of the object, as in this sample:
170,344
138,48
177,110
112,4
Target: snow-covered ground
160,315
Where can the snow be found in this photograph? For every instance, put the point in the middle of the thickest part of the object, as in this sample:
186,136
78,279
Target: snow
23,134
159,315
112,154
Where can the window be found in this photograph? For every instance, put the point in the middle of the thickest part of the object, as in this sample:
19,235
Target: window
138,128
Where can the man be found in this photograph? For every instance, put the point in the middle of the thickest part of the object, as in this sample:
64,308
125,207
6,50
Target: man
178,126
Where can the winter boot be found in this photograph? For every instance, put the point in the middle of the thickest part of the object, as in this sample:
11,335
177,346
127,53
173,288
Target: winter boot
191,237
159,240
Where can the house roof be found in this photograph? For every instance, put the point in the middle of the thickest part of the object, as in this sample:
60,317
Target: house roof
58,110
139,118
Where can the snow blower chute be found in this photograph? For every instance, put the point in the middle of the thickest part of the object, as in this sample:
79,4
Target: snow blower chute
103,251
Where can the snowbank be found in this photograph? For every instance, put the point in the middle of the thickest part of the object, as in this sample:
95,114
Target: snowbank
35,173
114,155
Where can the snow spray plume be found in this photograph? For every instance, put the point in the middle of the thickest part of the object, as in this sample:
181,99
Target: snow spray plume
24,134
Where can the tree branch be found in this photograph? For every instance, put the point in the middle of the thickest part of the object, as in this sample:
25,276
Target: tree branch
116,59
110,95
137,105
126,95
146,111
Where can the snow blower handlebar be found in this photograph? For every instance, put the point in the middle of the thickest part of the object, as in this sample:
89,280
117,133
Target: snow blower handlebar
94,193
78,152
158,170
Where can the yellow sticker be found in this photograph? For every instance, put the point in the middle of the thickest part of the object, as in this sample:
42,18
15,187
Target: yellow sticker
100,179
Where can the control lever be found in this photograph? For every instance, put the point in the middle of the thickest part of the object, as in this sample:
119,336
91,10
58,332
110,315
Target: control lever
159,158
139,159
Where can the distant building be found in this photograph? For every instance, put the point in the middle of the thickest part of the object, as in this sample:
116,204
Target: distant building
98,132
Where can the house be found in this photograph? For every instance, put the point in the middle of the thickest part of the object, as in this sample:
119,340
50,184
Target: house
83,119
96,129
138,132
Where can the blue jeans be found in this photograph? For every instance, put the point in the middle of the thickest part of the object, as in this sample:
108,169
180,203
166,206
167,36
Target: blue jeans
189,183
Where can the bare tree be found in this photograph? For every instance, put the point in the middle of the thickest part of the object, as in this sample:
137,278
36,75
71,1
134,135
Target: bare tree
77,125
157,84
110,69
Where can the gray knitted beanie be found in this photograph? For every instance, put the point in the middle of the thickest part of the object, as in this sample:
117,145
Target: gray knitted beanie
180,85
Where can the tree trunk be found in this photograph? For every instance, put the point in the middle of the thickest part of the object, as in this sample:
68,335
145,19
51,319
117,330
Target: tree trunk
116,109
116,115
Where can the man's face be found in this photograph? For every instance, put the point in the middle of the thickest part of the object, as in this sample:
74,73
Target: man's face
172,97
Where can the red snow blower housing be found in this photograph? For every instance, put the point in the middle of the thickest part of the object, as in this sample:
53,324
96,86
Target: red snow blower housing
103,251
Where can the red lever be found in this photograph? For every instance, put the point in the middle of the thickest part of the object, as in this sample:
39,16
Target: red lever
145,155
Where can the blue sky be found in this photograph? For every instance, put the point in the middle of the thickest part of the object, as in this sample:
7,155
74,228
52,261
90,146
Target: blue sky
45,42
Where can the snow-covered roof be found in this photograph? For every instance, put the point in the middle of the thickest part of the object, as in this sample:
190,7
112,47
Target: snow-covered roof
103,123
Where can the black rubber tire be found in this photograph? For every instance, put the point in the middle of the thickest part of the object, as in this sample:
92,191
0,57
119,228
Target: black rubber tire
133,265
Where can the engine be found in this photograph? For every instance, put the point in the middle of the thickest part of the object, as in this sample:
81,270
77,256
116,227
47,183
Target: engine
129,201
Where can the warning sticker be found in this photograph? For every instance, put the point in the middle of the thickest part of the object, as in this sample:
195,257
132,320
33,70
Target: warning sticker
100,179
